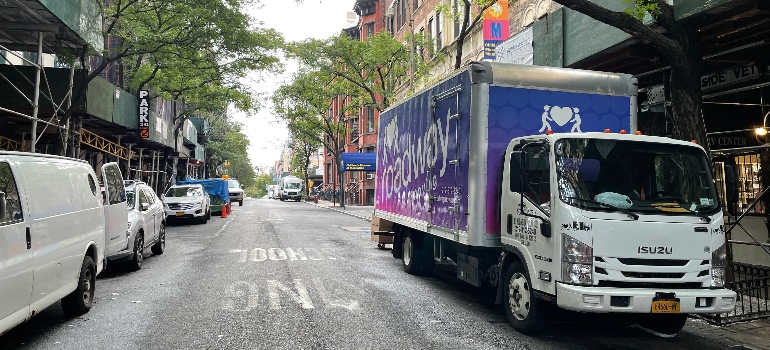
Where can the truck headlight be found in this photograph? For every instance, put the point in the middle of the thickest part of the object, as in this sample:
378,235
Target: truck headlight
577,261
718,263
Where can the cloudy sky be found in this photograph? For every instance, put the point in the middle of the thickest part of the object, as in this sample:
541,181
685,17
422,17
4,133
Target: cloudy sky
313,18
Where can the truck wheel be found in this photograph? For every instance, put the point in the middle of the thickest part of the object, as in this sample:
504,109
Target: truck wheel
416,261
79,301
525,313
664,325
160,245
136,262
240,203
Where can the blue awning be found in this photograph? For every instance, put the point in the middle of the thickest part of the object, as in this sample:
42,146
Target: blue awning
353,161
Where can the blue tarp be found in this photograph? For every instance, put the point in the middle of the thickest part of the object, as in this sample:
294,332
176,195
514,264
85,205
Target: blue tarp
215,187
354,161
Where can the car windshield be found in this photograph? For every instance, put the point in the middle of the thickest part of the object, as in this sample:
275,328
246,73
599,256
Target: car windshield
635,176
182,192
293,186
233,184
130,199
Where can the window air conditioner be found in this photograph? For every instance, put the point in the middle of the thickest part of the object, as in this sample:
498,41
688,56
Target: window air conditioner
370,176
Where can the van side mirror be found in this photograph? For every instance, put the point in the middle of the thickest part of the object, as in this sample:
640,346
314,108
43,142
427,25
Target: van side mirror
145,206
2,205
518,174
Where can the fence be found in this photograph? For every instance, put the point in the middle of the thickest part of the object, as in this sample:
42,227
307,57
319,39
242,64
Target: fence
752,283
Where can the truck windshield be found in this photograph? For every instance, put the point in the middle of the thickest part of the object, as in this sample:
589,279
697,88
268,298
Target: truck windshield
635,176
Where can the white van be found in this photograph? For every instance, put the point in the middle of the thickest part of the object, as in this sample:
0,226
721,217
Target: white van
52,232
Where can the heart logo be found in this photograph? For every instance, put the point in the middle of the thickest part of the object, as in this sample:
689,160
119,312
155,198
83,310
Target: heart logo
561,115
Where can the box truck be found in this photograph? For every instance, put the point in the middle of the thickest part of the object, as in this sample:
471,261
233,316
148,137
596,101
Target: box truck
536,184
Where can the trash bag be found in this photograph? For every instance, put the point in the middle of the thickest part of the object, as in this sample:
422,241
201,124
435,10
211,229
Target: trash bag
614,199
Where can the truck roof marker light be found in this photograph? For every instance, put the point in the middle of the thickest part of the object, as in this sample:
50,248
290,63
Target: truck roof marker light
549,132
607,131
623,132
638,132
693,141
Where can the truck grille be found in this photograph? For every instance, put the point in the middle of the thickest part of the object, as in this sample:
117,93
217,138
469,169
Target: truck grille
652,262
651,274
180,206
617,284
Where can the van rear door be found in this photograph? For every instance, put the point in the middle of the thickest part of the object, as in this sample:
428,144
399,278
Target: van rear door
115,209
16,259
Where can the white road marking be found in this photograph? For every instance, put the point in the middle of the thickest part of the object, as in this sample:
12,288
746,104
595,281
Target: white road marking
301,296
241,296
216,234
290,254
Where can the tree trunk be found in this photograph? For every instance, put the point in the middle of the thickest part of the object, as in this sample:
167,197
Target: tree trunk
686,101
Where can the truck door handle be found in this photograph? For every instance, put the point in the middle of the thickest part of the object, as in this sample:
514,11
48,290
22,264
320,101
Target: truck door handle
29,239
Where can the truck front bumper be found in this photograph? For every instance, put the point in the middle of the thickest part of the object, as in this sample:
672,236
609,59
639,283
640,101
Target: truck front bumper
639,300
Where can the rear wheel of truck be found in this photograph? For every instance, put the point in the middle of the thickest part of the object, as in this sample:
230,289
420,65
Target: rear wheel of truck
416,261
525,313
79,301
663,325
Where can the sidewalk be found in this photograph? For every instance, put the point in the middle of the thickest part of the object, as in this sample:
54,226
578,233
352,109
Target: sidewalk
744,335
363,212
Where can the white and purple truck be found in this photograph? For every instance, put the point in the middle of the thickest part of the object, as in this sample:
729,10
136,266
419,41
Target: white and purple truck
534,182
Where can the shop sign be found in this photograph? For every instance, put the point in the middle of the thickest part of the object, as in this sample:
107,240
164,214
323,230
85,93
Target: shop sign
144,114
495,27
729,76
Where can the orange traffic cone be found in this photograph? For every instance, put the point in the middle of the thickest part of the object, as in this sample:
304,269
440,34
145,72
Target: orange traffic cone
224,211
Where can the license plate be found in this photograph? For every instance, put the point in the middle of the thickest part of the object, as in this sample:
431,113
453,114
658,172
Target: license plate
665,306
180,213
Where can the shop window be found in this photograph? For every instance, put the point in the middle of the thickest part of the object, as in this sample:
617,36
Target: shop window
748,181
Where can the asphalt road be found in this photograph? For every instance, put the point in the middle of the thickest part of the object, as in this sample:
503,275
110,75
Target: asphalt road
286,275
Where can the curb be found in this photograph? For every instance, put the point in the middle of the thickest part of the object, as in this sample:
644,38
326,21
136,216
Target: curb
341,211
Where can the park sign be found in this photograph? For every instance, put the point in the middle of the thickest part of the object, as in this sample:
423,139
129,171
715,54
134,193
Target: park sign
495,27
144,114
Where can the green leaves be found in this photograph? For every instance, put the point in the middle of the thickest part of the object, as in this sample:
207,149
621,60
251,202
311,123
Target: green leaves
643,7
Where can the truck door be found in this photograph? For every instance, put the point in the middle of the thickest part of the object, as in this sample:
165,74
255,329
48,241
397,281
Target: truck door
16,260
115,209
446,189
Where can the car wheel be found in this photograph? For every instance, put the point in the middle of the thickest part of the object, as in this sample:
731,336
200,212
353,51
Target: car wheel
525,313
136,262
203,219
160,245
80,301
208,214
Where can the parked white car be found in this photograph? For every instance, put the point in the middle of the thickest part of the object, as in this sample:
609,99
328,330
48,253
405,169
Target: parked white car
53,227
146,226
189,202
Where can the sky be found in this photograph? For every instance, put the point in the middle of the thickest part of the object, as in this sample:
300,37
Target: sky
311,19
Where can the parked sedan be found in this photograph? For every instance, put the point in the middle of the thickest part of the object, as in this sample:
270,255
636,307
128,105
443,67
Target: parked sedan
190,202
146,226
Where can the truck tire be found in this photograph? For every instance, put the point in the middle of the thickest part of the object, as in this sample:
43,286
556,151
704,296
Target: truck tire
525,314
663,325
240,203
79,301
416,261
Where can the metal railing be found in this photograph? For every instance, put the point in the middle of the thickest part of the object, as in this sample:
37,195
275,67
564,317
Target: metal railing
752,283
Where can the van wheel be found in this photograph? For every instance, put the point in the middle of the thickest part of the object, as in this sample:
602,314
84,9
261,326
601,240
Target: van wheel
525,313
160,245
663,325
79,301
136,262
416,261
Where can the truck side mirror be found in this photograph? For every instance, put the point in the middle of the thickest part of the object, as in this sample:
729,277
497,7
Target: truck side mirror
518,174
2,205
545,229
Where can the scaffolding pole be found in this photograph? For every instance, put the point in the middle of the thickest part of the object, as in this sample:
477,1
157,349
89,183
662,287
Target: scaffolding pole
38,68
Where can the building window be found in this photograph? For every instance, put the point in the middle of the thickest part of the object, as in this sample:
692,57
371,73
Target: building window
458,13
429,39
369,30
439,31
401,13
369,119
354,129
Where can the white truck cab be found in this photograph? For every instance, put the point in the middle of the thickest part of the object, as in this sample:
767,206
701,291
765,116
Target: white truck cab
607,222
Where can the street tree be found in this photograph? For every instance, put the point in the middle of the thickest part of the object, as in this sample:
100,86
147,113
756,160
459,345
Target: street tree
305,105
227,153
676,41
194,51
304,148
470,13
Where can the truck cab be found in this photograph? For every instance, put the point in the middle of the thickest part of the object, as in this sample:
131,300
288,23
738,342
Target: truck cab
607,222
